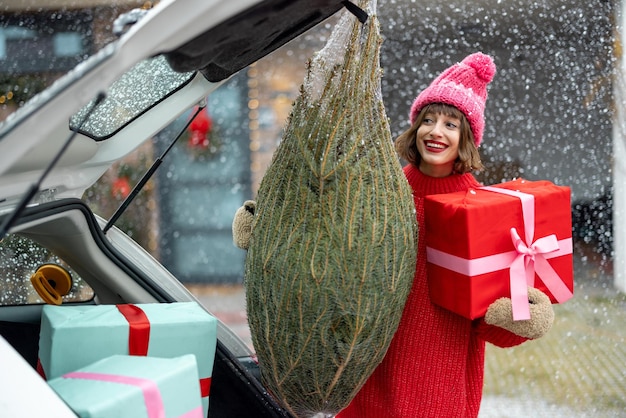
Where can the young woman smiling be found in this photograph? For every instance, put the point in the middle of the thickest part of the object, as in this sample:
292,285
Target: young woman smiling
435,364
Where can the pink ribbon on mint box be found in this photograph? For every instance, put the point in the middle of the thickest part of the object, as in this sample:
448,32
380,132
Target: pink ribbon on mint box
151,393
522,263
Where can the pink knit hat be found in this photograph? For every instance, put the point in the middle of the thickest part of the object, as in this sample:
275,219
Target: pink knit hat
464,86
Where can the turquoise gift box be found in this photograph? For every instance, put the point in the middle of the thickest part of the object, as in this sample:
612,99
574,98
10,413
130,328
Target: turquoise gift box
72,337
133,387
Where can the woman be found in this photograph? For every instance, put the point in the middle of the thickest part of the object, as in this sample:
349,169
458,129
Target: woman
435,364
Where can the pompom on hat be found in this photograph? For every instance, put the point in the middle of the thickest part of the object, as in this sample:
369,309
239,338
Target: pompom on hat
464,86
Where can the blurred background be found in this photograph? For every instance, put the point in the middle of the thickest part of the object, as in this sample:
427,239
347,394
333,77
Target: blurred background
555,112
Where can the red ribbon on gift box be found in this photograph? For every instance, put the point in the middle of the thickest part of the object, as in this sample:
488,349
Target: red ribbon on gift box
139,332
523,263
139,338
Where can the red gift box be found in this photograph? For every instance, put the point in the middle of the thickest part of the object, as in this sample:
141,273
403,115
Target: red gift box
491,242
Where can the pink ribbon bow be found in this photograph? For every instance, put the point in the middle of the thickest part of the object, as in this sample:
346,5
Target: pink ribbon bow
529,260
532,259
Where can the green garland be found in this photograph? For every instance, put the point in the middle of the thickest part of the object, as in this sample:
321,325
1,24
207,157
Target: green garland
332,253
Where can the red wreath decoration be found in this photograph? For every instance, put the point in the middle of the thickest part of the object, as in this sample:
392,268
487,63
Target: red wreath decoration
199,129
203,140
120,189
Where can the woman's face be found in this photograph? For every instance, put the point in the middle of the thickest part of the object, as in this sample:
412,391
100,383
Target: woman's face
437,141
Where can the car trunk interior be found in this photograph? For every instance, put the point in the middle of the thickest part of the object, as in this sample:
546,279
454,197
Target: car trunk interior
70,230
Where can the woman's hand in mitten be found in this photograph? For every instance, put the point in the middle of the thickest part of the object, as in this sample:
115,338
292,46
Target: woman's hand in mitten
242,224
500,313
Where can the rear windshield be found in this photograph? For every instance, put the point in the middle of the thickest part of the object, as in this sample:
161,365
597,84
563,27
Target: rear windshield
143,87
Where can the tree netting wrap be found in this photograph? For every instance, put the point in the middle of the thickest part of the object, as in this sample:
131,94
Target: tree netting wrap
332,252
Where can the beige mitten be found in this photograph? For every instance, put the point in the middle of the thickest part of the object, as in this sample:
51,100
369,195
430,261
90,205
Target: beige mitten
500,313
242,224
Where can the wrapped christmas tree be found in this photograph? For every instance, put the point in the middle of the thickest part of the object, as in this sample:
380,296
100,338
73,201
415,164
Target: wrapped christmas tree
332,252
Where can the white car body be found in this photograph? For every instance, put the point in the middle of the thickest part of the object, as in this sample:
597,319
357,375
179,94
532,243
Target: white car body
114,266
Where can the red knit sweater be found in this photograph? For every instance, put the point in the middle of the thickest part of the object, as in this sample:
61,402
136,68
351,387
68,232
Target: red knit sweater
435,364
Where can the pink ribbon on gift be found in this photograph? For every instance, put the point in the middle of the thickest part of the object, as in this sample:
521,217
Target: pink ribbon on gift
522,263
151,393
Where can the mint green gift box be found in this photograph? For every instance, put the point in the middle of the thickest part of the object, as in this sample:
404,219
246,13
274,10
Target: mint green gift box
133,387
72,337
